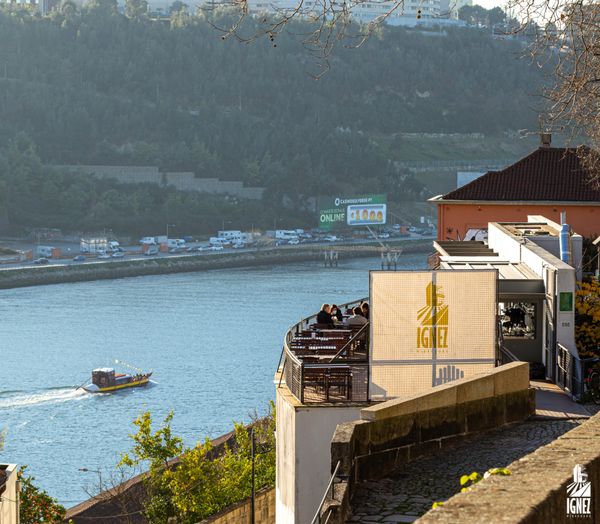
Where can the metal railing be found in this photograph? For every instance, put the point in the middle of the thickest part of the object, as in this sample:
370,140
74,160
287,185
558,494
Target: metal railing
571,371
329,492
344,378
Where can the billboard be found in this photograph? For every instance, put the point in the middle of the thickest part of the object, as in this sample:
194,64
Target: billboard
429,328
364,210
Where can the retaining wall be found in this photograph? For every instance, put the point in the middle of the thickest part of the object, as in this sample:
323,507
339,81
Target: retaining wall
395,432
40,275
536,490
264,510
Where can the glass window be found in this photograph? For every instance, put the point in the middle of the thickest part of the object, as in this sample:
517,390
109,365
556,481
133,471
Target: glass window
518,319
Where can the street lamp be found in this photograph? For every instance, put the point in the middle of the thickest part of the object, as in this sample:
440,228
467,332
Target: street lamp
168,226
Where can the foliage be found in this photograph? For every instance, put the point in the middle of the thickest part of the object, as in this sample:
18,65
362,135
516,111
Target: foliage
89,85
203,482
468,481
587,319
37,196
36,505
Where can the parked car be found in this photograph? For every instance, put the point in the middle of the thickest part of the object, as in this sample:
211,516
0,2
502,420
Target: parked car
41,261
216,248
150,241
176,250
103,256
118,254
153,250
294,242
190,249
79,258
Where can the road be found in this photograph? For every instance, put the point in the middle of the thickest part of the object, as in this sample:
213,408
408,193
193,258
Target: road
134,252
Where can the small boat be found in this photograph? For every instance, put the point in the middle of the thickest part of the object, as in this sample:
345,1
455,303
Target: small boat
105,380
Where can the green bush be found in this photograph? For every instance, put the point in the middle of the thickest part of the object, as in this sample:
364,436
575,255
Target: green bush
203,482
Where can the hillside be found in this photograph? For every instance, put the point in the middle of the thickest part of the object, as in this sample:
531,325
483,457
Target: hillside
93,86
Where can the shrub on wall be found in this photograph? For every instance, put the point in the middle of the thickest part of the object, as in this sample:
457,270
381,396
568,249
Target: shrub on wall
201,484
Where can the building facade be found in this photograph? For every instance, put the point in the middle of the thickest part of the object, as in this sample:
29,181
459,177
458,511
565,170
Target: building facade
549,181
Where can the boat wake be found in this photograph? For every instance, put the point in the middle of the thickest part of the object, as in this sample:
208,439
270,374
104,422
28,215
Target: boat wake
14,399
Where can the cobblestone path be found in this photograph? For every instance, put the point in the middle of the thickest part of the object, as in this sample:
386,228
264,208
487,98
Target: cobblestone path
410,492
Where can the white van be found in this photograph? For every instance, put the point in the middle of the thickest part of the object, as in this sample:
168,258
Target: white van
175,242
149,241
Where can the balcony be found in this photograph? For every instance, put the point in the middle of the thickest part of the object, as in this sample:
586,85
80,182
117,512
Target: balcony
325,364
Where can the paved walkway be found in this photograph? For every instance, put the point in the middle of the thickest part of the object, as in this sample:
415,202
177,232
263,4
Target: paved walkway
553,402
410,493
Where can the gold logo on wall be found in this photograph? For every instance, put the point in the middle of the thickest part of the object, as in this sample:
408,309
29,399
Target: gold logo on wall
433,331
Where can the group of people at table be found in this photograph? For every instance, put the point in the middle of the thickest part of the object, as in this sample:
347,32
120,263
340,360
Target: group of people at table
332,315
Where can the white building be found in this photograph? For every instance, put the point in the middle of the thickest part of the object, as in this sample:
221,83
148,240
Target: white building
480,305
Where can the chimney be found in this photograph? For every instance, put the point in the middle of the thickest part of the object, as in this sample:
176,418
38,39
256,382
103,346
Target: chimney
545,139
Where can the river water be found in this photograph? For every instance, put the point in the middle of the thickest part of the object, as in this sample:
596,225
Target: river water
212,338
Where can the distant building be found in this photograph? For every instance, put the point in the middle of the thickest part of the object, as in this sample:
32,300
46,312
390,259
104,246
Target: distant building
547,182
411,14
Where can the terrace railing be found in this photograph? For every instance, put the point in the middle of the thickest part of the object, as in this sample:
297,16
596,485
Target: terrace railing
313,379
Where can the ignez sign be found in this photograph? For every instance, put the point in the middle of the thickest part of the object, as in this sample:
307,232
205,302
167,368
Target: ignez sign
429,328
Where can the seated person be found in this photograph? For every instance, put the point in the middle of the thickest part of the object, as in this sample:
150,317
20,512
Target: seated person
324,316
365,310
357,320
336,313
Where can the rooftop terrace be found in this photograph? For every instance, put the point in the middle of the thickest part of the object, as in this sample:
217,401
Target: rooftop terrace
323,363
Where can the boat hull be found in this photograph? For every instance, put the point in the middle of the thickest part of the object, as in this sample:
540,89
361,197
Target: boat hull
93,388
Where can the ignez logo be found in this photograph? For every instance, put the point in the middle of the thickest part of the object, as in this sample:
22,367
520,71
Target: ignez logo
433,331
579,494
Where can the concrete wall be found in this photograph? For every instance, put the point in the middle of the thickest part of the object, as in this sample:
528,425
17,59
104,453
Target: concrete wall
264,510
9,500
181,180
395,432
303,454
536,490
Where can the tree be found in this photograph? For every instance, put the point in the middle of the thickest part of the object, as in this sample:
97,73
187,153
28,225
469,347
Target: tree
570,43
136,9
36,506
496,16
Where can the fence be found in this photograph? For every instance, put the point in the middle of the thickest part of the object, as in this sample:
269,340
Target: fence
342,378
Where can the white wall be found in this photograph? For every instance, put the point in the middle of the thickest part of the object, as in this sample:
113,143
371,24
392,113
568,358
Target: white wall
304,436
9,506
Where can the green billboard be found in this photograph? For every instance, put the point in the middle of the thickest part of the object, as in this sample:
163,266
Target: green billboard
351,211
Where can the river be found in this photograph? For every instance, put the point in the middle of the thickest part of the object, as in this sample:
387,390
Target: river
212,338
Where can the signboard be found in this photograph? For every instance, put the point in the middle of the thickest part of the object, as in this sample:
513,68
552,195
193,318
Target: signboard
365,210
565,301
429,328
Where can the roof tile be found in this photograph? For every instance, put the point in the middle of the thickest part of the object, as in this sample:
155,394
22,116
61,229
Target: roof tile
547,174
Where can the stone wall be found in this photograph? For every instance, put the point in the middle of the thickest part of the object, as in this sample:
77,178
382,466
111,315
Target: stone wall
264,510
395,432
536,490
